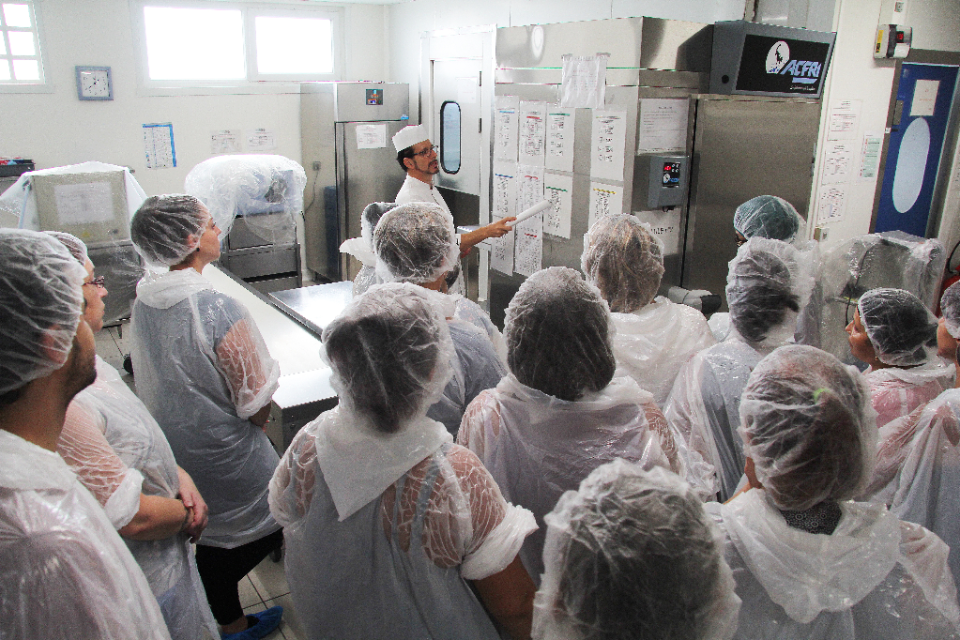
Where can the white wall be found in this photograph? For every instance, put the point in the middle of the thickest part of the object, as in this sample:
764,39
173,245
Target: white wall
56,128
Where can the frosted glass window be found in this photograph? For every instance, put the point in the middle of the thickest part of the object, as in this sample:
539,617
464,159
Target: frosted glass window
26,69
17,15
194,44
21,43
287,45
450,137
4,70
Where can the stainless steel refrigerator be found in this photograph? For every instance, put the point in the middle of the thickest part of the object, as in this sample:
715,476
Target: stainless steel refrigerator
346,130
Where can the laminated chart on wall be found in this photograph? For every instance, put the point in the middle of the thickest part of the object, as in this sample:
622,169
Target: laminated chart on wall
584,81
558,190
604,200
608,138
529,241
504,204
158,145
505,128
533,130
559,138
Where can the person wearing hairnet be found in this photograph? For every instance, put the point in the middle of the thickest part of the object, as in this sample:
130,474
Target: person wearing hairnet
204,372
415,243
362,248
119,454
768,284
392,531
809,561
632,555
560,413
64,571
918,458
654,336
896,335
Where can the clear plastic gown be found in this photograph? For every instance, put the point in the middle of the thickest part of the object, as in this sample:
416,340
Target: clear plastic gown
203,369
64,571
108,421
398,565
537,446
873,577
896,392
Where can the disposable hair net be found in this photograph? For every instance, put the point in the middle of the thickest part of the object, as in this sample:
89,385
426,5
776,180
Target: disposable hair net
165,229
362,247
415,242
264,191
557,330
768,217
768,283
390,351
74,245
40,304
632,555
901,329
807,423
950,308
623,258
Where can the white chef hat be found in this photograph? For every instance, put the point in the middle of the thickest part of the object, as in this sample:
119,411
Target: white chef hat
409,136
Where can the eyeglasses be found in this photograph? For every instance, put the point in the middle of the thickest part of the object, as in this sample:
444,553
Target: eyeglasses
427,151
98,282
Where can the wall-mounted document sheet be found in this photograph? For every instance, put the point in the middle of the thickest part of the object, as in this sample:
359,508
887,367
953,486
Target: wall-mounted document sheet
158,145
507,120
559,138
837,162
261,140
225,141
870,148
529,234
663,125
584,81
371,136
558,190
666,226
604,199
533,129
607,145
844,120
831,204
504,204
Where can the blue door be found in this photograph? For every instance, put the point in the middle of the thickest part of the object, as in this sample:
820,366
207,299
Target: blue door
916,142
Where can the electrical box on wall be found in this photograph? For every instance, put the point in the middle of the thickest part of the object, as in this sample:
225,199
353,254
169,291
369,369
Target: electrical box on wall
665,184
893,41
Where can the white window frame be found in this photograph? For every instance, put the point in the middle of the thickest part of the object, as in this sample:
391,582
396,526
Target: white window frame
255,83
37,86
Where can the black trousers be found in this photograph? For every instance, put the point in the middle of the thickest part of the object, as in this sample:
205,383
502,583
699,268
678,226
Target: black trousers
221,571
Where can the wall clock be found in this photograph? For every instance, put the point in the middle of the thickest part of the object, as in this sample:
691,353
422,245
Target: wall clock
94,83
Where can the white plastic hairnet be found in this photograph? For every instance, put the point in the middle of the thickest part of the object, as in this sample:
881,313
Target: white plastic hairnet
362,247
165,229
74,245
415,242
623,258
807,423
40,304
251,186
950,308
901,329
632,555
768,284
768,217
390,351
557,330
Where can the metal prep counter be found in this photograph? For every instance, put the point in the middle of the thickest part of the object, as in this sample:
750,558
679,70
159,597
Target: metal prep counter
291,323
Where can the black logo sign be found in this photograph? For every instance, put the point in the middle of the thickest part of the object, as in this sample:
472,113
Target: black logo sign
775,65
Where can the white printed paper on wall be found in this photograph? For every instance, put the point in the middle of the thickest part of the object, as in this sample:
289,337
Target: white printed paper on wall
528,256
507,121
533,129
609,135
225,141
584,82
559,138
924,98
604,200
837,163
261,140
844,120
558,189
158,146
830,203
663,125
371,136
870,149
87,203
504,204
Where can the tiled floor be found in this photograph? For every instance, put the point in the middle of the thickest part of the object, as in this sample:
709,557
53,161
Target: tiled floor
265,586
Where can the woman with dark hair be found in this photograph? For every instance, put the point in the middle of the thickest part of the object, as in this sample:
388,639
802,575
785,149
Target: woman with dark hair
768,285
392,530
560,413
